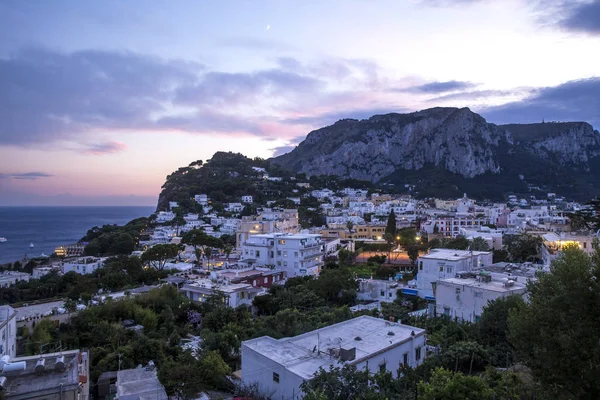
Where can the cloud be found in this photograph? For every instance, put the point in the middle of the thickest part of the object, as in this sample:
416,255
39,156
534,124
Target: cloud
472,95
50,97
291,145
235,88
255,43
47,96
581,17
30,176
438,87
328,118
577,100
98,149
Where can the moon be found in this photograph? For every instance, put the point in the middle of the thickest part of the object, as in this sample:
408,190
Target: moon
268,27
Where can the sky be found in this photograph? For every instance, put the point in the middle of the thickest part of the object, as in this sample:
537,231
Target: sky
101,100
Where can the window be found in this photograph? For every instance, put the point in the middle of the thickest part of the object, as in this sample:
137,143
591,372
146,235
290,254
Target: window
457,290
585,245
275,377
390,294
421,266
296,254
279,252
266,280
282,241
285,253
257,253
418,353
449,270
382,367
441,268
285,263
478,294
254,282
382,293
405,359
447,311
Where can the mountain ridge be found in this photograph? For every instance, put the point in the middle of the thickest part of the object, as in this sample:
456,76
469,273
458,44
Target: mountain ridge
559,156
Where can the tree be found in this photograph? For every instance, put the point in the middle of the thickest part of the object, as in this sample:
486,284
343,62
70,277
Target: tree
494,330
345,256
180,378
479,244
339,383
587,218
413,253
213,370
445,385
158,255
522,248
556,333
349,226
202,243
391,224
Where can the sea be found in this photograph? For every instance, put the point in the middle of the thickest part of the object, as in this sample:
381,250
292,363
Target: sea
49,227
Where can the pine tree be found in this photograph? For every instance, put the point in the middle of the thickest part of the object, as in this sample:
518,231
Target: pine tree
391,224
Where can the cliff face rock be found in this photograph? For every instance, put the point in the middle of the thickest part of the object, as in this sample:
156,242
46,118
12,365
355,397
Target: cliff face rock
457,140
569,143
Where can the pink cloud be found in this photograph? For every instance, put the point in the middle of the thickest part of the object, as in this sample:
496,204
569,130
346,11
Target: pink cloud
100,149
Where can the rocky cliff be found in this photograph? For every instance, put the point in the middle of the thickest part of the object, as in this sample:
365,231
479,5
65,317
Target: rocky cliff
456,144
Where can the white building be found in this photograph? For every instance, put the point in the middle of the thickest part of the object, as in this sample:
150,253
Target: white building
247,199
296,254
173,204
279,367
492,237
84,265
465,296
322,194
450,225
9,278
42,271
139,383
165,216
236,294
201,199
8,331
446,263
377,290
234,207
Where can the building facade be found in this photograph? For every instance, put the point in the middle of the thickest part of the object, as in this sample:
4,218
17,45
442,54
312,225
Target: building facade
446,263
465,296
296,254
8,331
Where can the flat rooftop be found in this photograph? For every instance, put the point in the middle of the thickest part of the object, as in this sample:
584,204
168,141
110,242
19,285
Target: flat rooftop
207,284
297,355
23,384
286,236
140,382
494,285
452,255
37,309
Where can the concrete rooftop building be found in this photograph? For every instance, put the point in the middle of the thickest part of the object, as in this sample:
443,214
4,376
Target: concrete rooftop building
53,376
139,384
279,366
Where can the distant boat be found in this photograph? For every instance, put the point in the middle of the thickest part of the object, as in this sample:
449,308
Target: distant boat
3,239
31,245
